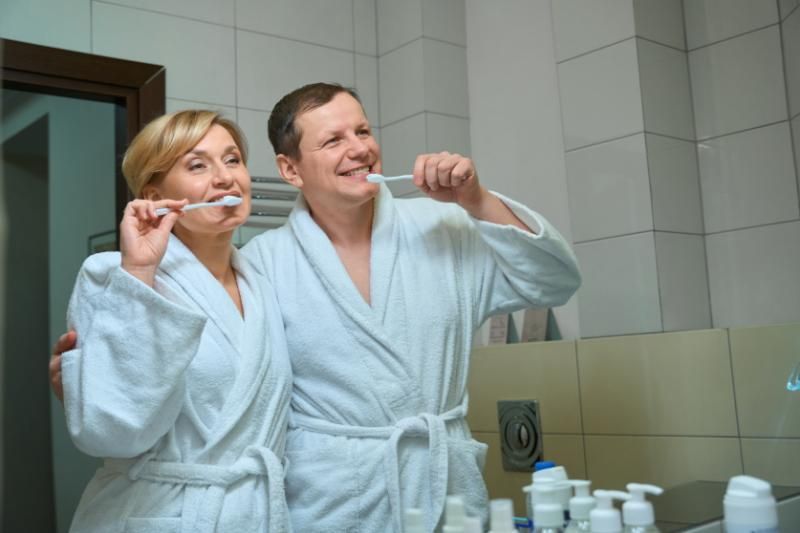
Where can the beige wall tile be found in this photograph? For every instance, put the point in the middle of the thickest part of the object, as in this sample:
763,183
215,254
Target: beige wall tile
543,371
762,358
774,460
661,384
566,450
612,462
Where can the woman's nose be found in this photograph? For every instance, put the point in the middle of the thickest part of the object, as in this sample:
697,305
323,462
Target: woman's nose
222,175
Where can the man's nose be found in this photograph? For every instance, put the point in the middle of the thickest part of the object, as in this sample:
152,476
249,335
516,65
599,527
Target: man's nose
357,146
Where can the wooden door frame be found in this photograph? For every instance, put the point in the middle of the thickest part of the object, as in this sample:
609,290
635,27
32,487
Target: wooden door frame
140,88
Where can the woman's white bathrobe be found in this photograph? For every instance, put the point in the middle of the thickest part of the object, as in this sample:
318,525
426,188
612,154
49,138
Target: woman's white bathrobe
377,422
186,399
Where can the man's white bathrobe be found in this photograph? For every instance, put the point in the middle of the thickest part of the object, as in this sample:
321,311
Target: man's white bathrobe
377,422
186,399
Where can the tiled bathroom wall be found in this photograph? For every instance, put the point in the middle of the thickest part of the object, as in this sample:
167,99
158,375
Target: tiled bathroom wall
681,152
664,408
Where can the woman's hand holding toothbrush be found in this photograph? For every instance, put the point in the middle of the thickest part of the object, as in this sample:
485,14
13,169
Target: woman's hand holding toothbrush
144,235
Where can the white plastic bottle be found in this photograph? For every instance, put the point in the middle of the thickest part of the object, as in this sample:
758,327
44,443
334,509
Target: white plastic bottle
472,524
580,506
501,516
604,517
637,513
550,474
454,515
749,506
548,518
414,521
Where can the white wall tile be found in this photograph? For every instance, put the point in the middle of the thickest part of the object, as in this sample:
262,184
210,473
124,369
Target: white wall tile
748,179
365,23
47,23
367,86
787,6
444,20
269,67
609,192
660,21
175,104
261,161
329,23
682,281
791,49
666,91
401,143
674,184
708,21
398,23
738,84
447,134
212,11
199,57
583,26
402,84
619,294
600,95
445,78
796,137
753,275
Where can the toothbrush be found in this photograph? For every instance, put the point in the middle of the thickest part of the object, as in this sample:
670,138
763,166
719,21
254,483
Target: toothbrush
225,201
378,178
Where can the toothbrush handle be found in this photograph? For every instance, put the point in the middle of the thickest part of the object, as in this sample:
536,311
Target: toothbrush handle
398,178
161,211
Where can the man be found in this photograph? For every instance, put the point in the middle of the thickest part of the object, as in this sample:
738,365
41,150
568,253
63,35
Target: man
380,300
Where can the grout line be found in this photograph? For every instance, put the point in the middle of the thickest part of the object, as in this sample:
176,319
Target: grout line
661,44
688,234
735,404
235,62
595,50
787,95
580,410
217,104
732,37
627,135
294,40
91,26
648,435
147,10
752,128
379,96
756,226
392,123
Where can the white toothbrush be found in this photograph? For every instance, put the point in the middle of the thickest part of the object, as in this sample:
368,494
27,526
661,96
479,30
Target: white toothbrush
225,201
378,178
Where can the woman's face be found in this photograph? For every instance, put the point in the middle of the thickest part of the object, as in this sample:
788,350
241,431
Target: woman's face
213,168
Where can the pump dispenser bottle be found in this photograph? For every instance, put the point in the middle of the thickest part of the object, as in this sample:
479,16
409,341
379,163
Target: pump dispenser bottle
548,518
580,506
548,472
454,515
605,518
637,513
501,516
749,506
414,522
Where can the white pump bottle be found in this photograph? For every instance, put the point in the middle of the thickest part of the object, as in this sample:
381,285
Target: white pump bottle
637,513
580,506
605,518
749,506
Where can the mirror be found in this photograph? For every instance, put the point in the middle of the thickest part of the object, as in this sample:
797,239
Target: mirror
66,118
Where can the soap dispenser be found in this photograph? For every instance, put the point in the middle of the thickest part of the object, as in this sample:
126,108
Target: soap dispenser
454,515
605,518
548,518
501,516
580,506
637,513
749,506
548,472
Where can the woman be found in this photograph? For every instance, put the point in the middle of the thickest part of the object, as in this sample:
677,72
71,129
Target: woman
176,381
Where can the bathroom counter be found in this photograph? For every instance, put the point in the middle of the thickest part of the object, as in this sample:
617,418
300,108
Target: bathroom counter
690,505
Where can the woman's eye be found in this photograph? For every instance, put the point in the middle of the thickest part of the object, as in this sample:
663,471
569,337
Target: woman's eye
196,165
233,161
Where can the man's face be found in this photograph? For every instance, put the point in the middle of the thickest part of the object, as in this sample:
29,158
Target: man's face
337,151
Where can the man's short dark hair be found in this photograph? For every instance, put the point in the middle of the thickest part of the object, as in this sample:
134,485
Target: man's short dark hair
283,132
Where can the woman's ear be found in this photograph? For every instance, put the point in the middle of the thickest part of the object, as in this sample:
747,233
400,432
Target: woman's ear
289,172
150,193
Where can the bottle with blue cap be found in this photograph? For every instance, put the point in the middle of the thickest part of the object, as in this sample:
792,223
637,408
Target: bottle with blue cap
637,513
749,506
580,506
605,518
548,518
546,472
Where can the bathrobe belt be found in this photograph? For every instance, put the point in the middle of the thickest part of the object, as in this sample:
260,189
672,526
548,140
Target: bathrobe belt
423,425
206,484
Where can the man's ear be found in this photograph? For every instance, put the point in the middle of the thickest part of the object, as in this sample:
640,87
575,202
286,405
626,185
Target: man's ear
288,170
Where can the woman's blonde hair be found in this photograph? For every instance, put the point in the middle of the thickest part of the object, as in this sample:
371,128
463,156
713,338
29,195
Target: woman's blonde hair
166,139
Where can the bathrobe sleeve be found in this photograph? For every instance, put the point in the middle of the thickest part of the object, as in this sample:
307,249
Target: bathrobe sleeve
123,384
521,270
